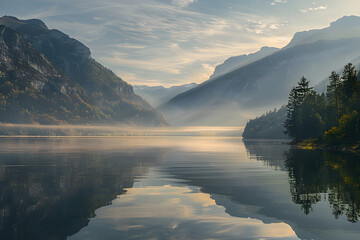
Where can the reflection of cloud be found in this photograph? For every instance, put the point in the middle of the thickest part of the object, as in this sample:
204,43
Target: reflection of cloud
153,211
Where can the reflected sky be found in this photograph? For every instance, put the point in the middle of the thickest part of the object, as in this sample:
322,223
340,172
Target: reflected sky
169,187
174,212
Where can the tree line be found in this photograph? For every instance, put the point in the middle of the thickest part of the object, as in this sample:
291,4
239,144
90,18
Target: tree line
332,117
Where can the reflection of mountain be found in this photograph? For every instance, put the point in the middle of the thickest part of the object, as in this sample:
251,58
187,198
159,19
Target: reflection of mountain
250,189
51,195
325,176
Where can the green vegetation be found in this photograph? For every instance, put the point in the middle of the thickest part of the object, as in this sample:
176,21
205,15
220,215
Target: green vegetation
318,175
332,118
267,126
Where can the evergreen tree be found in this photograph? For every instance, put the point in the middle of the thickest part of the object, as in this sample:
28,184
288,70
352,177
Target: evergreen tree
350,86
333,98
312,116
289,123
305,112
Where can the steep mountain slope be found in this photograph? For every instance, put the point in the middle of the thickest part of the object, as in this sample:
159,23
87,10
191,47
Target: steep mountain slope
159,95
112,99
242,60
263,84
33,90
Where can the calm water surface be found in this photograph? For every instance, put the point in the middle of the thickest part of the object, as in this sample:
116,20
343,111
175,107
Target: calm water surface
175,188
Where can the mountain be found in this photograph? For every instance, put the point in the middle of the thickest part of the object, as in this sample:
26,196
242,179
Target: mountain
242,60
345,27
264,84
48,77
322,86
158,95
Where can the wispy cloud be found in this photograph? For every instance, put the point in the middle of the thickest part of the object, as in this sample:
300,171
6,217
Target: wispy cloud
157,40
182,3
278,1
312,9
262,26
162,41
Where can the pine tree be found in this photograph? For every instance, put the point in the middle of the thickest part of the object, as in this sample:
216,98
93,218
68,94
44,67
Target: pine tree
333,97
302,89
305,112
289,123
350,85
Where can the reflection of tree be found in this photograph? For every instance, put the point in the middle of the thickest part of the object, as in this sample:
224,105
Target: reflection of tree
52,196
325,176
269,152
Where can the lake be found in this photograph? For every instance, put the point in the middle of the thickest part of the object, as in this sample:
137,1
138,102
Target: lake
175,187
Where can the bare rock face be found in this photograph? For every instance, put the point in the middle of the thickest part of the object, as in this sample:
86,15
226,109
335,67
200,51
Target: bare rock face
38,62
66,53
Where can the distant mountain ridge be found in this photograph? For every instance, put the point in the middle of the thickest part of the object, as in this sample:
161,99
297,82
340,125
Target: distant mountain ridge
82,91
233,63
158,95
345,27
264,84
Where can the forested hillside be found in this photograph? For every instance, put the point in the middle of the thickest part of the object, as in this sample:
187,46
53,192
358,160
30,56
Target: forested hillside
267,126
333,117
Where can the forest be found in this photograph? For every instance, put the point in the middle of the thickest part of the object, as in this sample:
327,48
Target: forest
332,118
267,126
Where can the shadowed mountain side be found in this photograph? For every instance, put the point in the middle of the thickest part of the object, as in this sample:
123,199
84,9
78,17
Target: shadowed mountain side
264,83
33,90
108,94
52,191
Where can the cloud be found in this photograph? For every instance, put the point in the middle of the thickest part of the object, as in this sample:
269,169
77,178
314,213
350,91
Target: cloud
313,9
162,41
262,26
278,1
182,3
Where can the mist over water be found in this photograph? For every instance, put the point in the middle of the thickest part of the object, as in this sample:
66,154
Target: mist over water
114,130
180,187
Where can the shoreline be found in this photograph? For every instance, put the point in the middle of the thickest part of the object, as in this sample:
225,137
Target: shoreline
309,145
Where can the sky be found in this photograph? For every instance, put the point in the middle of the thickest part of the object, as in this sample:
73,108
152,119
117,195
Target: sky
173,42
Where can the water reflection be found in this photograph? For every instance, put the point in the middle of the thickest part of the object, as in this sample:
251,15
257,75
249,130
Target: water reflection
316,176
52,189
174,188
175,212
